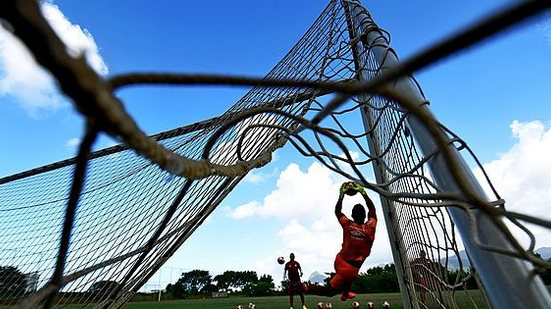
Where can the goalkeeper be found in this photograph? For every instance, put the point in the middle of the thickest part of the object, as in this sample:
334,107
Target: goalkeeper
358,237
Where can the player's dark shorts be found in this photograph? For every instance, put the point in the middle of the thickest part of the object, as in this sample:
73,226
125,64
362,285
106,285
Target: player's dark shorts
295,287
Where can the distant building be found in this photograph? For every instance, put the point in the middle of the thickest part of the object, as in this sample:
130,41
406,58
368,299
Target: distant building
219,294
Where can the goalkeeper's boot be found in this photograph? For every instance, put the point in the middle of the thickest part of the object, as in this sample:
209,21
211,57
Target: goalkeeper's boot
348,295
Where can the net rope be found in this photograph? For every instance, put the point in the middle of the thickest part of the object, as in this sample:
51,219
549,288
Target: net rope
93,229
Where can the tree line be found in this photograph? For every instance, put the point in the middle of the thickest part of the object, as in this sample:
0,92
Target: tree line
380,279
200,283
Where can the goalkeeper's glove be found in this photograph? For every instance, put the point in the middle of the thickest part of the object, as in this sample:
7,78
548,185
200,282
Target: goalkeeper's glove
358,187
344,187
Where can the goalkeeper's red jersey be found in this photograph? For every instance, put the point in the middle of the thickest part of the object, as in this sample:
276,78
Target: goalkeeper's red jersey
357,238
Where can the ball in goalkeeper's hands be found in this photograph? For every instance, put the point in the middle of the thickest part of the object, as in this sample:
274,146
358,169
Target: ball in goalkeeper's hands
349,188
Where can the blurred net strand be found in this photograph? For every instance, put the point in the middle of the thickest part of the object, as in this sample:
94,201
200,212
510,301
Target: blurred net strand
110,113
95,101
70,213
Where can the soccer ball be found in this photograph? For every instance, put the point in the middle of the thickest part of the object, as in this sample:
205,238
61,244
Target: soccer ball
370,305
355,305
252,306
320,305
239,307
328,306
281,260
386,304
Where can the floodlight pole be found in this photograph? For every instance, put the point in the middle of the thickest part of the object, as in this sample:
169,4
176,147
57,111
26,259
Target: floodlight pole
160,288
509,282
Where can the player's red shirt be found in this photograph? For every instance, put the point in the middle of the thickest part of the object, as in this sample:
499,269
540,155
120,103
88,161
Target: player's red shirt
357,238
292,268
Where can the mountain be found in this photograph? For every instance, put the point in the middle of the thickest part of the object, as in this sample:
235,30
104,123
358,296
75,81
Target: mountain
453,261
545,252
317,277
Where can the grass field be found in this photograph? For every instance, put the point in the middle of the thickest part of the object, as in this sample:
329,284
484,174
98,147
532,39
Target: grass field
266,302
283,302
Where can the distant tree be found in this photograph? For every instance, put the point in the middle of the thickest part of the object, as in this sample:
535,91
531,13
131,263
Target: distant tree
377,280
236,280
285,286
266,278
226,280
263,287
328,278
245,278
13,283
195,282
175,290
468,279
209,289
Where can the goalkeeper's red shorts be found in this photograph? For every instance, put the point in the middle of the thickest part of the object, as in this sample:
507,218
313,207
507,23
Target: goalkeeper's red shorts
346,273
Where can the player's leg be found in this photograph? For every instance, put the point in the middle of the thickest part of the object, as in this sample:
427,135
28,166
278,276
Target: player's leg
346,294
292,289
344,277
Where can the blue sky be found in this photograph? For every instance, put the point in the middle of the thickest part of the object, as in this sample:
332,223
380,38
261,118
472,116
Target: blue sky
496,96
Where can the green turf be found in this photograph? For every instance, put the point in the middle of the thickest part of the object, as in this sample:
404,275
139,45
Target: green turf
461,298
265,302
282,302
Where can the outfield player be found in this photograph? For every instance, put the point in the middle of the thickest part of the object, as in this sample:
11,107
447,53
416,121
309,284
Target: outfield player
294,272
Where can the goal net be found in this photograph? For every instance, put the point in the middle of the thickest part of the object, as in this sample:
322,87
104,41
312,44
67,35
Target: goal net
93,229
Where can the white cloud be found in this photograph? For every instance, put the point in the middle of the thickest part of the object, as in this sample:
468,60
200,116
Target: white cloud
297,194
73,142
256,177
23,79
246,210
545,27
79,41
521,175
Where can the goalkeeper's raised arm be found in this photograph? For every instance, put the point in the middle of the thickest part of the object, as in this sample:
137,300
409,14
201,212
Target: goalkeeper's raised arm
368,202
